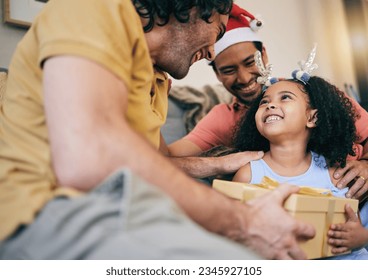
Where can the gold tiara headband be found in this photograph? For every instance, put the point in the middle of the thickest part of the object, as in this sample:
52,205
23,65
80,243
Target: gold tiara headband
303,74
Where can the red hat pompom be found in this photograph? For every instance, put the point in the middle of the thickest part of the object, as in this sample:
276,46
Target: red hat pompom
241,27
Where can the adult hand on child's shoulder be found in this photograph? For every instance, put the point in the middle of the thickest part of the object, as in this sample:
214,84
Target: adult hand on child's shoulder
233,162
354,175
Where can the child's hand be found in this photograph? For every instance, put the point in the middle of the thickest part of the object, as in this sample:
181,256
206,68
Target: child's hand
347,236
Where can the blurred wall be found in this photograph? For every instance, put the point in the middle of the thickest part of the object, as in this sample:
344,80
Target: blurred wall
10,35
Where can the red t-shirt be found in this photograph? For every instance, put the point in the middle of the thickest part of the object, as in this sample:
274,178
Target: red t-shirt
216,128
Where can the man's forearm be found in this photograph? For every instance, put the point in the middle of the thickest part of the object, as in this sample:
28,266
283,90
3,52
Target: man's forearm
201,167
198,167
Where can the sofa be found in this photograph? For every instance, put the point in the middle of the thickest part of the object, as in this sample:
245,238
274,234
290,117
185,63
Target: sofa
188,105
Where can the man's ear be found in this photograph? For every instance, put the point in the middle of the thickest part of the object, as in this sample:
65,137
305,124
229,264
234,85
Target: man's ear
213,65
218,76
264,55
312,118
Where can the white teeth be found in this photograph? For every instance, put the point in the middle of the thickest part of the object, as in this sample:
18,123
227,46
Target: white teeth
250,87
270,119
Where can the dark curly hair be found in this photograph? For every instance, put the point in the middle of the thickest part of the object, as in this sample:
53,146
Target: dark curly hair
159,11
335,131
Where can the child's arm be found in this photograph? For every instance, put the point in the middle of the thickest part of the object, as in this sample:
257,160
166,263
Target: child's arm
244,174
347,236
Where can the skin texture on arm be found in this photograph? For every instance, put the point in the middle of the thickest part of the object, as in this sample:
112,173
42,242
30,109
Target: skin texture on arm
183,154
347,236
90,138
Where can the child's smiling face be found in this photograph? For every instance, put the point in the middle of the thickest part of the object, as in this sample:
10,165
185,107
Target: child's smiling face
284,110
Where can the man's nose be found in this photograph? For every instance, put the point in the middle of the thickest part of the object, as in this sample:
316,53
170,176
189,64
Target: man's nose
243,76
210,55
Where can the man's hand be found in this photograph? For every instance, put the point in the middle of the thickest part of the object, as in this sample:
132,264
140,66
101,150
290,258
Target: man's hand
201,167
231,163
354,175
271,231
347,236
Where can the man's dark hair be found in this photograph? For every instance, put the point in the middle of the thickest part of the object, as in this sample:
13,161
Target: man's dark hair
258,45
159,11
335,131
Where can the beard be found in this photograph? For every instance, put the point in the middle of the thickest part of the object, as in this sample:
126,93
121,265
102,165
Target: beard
178,52
175,61
177,70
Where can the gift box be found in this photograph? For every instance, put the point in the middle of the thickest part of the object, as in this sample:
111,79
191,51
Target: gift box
312,205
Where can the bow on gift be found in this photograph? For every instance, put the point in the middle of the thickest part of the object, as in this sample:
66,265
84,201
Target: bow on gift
268,183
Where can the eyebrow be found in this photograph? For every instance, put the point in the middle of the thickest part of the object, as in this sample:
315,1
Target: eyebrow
250,57
245,60
222,31
281,92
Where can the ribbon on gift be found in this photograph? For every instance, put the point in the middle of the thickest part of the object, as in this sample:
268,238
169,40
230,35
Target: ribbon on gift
245,192
270,184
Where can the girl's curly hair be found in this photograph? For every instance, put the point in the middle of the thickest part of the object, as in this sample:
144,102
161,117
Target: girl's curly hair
159,11
335,131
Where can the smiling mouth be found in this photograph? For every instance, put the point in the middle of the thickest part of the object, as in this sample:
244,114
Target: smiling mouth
272,119
251,87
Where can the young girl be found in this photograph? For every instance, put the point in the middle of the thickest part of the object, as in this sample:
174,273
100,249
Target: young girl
290,119
306,129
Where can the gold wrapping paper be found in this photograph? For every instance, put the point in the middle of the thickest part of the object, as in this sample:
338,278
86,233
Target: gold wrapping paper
312,205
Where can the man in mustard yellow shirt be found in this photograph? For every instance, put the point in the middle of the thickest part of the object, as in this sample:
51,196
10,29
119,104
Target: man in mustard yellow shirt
81,176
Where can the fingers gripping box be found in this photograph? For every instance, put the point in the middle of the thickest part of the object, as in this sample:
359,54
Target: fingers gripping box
314,206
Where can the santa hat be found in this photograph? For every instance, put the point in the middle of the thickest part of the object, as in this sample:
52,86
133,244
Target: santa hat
239,29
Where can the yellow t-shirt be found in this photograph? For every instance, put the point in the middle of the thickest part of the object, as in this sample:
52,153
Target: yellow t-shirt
107,32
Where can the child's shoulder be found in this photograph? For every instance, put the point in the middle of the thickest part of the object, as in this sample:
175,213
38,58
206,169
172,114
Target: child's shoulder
331,171
244,174
322,162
